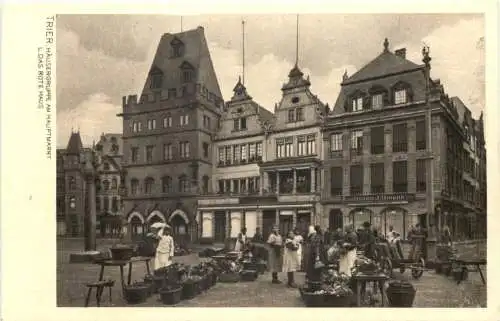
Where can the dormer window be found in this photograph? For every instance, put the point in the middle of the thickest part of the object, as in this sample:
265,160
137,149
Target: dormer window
357,104
377,101
156,78
177,48
299,114
240,124
400,97
187,76
291,115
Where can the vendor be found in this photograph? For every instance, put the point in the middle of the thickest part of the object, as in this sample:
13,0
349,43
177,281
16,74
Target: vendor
300,241
165,248
367,240
275,241
314,254
241,241
291,259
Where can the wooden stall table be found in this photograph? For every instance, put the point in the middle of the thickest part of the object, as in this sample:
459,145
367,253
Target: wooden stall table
121,264
474,262
361,279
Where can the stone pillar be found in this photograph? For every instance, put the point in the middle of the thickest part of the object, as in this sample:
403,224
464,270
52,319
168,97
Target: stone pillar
388,160
294,191
228,224
366,142
90,213
246,185
277,182
412,161
313,180
294,218
366,178
346,182
260,220
277,221
199,222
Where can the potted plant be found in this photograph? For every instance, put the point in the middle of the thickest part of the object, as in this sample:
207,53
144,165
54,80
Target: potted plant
401,294
137,292
171,294
229,272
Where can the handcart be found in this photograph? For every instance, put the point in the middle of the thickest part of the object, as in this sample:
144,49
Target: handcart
389,259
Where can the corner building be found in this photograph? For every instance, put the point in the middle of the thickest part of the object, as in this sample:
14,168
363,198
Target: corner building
376,153
167,136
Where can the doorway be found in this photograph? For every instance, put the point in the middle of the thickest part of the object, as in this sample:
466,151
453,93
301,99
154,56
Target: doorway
286,224
220,226
303,222
268,220
336,220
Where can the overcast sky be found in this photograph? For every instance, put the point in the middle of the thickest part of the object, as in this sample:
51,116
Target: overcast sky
101,58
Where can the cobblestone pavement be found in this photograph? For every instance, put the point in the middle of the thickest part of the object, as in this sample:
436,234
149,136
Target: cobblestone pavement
433,290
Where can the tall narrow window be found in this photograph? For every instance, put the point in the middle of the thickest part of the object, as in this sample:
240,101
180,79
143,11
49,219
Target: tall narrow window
236,154
400,138
400,177
221,186
184,149
243,124
357,141
222,155
148,185
421,135
301,146
243,149
291,115
134,152
72,183
229,154
377,101
167,152
356,176
280,148
156,81
167,122
183,184
377,140
151,124
114,184
134,186
205,150
149,153
421,175
252,152
289,147
336,181
377,178
184,120
114,204
311,145
299,114
336,142
187,75
236,124
166,184
204,186
259,151
357,104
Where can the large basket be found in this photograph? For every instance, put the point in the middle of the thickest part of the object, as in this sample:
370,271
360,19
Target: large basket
136,293
122,253
334,301
312,299
230,277
401,294
171,296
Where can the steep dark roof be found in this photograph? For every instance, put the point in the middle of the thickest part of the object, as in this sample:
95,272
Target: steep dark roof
75,145
195,54
385,64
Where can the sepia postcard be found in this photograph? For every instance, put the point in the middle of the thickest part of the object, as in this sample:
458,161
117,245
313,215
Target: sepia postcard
286,155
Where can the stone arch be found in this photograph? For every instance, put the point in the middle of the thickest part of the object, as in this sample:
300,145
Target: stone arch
158,214
357,216
180,213
335,219
399,218
135,214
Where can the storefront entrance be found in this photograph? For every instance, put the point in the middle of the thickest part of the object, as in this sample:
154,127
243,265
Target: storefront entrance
220,226
336,220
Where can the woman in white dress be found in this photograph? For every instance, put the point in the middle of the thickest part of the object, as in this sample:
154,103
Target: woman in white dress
299,240
241,240
165,249
290,258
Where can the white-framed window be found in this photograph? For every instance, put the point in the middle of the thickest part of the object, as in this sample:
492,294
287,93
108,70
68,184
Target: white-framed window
184,120
167,122
400,96
184,148
151,124
357,104
280,148
240,124
311,145
167,152
289,147
252,151
377,101
356,139
136,126
259,149
229,154
336,142
236,153
301,145
243,152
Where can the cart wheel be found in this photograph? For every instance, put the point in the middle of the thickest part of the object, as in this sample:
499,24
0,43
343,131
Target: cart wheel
387,267
418,269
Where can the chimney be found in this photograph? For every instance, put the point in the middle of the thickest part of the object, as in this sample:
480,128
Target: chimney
401,52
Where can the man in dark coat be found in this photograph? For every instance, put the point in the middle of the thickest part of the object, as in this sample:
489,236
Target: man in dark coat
367,240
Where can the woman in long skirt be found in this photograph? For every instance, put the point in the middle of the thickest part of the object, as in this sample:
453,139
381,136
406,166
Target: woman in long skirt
165,249
314,254
299,240
275,241
290,258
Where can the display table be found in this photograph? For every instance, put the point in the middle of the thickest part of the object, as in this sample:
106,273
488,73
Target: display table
361,279
121,264
473,262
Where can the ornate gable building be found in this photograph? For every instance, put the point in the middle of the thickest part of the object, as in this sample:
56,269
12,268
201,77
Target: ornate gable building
239,145
376,153
167,135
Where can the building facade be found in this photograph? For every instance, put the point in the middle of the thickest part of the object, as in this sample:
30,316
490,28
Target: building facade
109,185
376,153
167,136
70,188
267,169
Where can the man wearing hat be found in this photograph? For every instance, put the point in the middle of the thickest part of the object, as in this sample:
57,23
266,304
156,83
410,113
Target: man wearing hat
165,249
367,240
275,241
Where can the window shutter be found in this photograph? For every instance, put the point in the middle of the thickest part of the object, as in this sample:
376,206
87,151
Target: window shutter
367,102
409,94
386,98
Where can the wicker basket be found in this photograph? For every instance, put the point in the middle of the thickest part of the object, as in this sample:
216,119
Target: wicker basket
229,277
333,301
136,293
189,290
122,253
171,296
311,299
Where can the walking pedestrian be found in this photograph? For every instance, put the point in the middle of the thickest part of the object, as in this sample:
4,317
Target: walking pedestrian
165,249
275,241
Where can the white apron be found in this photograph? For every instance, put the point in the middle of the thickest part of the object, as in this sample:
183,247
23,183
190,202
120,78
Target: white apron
239,245
164,252
346,262
299,239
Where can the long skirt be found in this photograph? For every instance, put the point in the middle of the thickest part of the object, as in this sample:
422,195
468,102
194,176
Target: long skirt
346,262
290,261
162,260
299,258
275,258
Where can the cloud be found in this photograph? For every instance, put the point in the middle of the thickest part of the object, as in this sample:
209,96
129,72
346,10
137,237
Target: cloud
458,59
92,117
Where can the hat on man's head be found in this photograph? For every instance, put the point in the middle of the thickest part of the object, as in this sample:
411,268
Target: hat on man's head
366,224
